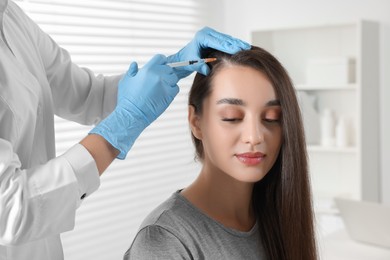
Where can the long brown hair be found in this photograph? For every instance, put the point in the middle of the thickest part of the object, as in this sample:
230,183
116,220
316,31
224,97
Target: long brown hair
282,199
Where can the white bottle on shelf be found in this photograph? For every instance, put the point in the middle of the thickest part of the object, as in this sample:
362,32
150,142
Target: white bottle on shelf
327,128
341,133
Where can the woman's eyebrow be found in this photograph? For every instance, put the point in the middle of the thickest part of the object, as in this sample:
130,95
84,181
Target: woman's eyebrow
231,101
271,103
240,102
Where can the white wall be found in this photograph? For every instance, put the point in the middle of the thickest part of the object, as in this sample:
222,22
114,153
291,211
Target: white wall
240,18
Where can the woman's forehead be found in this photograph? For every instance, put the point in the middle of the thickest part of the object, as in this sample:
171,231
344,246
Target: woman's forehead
242,83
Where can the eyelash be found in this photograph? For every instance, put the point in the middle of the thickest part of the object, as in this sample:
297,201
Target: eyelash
271,120
231,119
238,119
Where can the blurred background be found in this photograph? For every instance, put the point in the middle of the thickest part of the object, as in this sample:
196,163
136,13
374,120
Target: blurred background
337,53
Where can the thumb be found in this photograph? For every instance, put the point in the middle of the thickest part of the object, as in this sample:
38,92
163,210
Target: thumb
203,69
133,69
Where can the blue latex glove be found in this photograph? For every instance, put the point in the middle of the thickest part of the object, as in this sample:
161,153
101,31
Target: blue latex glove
205,38
142,96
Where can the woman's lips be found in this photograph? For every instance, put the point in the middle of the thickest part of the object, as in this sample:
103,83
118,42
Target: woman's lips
250,159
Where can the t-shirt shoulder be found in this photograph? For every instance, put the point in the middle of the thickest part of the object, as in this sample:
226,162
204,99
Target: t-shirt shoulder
168,214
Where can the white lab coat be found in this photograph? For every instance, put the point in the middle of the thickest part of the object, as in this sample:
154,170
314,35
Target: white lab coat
39,193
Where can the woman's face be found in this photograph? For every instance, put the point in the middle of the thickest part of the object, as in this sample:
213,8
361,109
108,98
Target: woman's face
240,127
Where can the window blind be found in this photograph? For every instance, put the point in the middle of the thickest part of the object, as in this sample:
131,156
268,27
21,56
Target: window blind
105,36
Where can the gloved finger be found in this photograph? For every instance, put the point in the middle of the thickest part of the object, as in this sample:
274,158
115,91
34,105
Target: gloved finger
157,59
233,41
133,69
203,69
165,69
211,32
219,41
171,79
173,90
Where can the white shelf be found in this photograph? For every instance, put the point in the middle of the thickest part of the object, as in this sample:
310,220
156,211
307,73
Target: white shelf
352,170
331,149
310,87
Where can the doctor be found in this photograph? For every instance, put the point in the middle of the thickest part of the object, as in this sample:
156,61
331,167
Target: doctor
39,192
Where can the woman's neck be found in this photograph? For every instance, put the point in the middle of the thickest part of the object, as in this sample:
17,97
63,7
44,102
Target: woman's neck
223,198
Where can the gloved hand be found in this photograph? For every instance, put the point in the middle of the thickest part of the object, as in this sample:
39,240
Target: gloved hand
205,38
142,97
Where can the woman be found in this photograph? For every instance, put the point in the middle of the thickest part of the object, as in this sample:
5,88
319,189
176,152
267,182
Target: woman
252,198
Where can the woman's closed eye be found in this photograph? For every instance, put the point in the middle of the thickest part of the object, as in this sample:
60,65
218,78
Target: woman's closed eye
231,119
267,120
231,115
272,116
271,120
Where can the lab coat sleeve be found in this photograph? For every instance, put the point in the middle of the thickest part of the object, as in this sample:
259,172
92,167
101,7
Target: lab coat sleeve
78,94
33,206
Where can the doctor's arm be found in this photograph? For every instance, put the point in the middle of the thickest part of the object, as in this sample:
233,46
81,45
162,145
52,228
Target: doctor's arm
142,96
102,151
41,201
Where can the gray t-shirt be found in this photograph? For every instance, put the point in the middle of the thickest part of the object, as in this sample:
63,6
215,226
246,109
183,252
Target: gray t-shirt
178,230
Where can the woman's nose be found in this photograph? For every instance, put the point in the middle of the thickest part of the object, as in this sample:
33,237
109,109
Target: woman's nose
253,132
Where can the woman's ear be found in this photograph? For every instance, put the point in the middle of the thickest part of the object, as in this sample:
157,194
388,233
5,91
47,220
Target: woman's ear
193,120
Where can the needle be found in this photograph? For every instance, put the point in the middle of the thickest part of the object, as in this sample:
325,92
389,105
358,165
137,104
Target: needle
190,62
